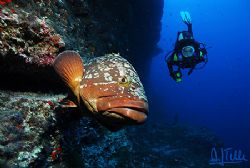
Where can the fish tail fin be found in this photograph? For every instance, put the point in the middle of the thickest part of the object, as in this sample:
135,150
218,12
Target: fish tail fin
69,66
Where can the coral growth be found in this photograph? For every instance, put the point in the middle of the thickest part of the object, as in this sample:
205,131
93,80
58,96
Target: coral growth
28,37
5,2
34,133
24,120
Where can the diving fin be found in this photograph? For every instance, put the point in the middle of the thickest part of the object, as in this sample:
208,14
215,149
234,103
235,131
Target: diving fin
186,18
182,13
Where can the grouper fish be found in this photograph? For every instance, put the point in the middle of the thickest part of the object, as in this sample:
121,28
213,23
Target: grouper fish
108,86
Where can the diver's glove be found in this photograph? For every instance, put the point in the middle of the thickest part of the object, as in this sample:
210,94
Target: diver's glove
186,18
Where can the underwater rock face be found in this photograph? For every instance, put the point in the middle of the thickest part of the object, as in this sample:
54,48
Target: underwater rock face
34,133
94,146
28,46
24,119
34,32
28,39
145,26
144,33
90,27
172,146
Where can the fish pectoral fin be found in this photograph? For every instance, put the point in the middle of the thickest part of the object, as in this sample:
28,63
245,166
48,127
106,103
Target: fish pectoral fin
69,66
66,103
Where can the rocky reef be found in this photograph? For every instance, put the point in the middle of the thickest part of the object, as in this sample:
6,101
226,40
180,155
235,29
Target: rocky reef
33,32
144,33
24,120
35,132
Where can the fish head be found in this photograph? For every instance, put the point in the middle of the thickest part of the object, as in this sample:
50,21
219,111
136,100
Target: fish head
113,92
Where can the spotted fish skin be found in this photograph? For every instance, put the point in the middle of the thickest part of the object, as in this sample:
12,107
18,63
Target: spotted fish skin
110,88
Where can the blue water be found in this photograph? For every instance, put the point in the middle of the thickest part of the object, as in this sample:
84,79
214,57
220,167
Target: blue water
217,96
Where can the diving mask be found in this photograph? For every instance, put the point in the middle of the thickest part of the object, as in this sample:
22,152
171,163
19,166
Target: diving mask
188,51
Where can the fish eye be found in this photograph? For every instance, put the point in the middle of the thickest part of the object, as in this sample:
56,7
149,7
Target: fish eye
124,81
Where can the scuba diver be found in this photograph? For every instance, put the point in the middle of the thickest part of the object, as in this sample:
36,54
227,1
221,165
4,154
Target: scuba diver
187,52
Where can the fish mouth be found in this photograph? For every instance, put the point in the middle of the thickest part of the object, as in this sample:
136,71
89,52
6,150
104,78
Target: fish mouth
123,110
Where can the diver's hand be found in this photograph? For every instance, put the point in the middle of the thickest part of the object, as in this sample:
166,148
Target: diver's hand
186,18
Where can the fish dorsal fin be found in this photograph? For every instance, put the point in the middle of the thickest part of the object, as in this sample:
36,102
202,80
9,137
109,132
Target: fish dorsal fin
69,66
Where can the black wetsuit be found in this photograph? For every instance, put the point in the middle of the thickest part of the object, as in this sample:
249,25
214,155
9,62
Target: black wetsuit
176,59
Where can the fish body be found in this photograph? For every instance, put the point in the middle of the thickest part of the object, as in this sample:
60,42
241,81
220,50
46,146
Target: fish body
108,86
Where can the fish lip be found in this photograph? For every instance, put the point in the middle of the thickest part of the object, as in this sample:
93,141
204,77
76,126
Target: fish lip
142,108
129,113
137,105
136,110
